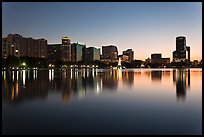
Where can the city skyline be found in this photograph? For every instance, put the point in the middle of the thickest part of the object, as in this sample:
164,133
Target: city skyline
125,25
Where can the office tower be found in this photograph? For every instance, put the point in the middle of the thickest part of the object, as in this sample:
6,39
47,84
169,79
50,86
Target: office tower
180,43
66,41
189,55
78,52
130,54
109,53
92,54
42,48
53,52
181,48
65,49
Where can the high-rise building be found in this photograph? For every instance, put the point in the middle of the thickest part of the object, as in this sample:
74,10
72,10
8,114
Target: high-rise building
78,52
5,48
14,41
24,49
66,41
53,52
130,54
109,53
19,46
65,49
30,46
92,54
189,55
42,48
180,43
180,53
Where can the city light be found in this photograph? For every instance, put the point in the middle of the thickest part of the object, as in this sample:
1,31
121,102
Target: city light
107,59
23,64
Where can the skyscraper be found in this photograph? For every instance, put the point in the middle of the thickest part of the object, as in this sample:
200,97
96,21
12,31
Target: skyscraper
78,52
92,54
130,54
5,48
53,52
180,43
109,53
180,53
65,49
189,54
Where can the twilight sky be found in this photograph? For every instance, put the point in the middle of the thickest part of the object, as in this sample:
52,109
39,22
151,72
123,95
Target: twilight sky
149,27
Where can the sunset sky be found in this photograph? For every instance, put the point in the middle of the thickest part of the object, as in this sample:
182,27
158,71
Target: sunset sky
149,27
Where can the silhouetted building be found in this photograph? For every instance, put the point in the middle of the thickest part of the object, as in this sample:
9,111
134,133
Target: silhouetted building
66,41
123,57
156,75
109,53
179,77
157,58
92,54
78,52
5,48
180,43
53,52
19,46
130,54
189,55
13,41
181,48
165,60
65,49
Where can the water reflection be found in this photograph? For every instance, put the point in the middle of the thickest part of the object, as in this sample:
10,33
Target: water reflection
156,75
23,85
24,77
179,77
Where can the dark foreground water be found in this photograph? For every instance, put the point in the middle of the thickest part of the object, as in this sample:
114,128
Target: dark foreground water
129,101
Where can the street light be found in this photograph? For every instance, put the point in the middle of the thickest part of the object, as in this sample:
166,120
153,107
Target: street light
24,64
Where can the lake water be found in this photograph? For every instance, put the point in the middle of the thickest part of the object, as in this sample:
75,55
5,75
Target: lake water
102,101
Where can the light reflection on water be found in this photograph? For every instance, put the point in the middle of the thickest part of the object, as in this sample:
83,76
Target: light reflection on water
105,91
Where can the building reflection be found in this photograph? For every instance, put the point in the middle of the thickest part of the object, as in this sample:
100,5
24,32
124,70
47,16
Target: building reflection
156,75
27,84
23,88
24,85
179,77
128,78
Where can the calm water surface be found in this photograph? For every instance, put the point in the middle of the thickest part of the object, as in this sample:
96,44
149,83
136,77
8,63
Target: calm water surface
102,101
